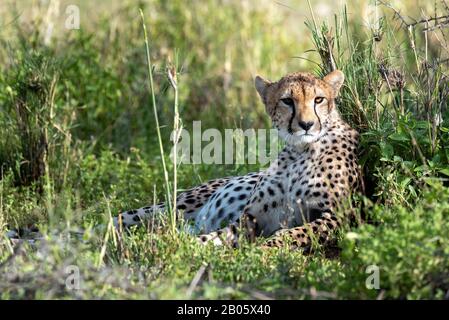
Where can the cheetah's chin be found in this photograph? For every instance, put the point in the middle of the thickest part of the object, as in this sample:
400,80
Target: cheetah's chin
300,139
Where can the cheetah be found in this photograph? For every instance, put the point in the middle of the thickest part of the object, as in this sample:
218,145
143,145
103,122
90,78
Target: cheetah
295,200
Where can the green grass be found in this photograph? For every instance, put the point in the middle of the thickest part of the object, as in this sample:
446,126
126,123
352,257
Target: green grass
79,143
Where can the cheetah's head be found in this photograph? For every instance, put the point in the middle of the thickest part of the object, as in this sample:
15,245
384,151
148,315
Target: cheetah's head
300,105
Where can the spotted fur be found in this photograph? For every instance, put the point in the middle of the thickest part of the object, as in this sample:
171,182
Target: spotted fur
189,203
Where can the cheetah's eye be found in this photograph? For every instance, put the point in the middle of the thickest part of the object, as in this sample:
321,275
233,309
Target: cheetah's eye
288,101
318,100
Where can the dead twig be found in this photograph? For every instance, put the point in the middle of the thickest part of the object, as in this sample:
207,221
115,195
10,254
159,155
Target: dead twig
438,24
196,280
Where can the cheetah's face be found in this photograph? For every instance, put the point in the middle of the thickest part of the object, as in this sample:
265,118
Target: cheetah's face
301,105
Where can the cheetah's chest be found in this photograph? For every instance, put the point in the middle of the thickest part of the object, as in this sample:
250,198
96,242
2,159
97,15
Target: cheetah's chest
303,183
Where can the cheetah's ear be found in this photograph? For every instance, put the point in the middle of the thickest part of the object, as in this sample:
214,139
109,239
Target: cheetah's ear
261,86
335,80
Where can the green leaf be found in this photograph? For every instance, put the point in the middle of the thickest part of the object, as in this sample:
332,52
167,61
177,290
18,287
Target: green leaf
405,181
445,171
387,150
420,168
436,159
422,125
399,136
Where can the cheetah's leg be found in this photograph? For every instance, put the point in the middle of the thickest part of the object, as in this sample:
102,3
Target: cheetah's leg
226,236
303,236
189,202
229,235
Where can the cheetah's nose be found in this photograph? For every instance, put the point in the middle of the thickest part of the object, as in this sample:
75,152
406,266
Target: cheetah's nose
305,125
